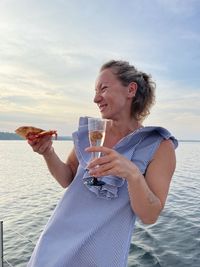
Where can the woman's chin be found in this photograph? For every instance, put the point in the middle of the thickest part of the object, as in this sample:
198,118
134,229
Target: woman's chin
104,115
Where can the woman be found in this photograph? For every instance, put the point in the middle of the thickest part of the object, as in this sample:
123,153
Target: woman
93,225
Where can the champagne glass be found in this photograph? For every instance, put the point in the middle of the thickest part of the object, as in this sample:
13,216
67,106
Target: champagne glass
96,132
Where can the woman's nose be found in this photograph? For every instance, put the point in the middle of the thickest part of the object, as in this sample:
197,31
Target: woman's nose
97,98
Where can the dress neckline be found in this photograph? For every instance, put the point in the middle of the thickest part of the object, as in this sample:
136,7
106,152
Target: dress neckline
128,135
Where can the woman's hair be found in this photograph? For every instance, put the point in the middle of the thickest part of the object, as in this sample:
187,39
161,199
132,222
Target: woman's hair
145,95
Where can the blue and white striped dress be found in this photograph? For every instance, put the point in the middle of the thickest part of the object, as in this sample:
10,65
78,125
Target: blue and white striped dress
91,226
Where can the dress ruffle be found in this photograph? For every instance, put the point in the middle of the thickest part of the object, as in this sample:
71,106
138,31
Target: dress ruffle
109,190
126,146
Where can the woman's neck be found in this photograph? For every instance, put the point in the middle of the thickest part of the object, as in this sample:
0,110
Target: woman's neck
123,128
116,130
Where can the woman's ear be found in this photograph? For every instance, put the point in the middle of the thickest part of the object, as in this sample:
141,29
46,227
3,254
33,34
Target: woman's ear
132,89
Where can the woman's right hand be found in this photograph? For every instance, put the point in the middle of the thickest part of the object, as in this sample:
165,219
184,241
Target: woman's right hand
42,146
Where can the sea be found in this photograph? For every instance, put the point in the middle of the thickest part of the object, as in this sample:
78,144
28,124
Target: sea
29,194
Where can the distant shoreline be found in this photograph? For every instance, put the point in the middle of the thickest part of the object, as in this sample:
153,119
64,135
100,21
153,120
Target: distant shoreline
189,141
12,136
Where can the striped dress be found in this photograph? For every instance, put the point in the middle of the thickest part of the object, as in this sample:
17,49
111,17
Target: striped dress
92,226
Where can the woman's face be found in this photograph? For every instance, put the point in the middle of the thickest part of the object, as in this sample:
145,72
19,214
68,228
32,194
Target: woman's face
111,96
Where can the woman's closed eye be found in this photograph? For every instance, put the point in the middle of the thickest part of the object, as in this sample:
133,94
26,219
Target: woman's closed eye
104,88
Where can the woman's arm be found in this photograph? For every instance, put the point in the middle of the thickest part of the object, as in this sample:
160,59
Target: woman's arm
62,172
147,194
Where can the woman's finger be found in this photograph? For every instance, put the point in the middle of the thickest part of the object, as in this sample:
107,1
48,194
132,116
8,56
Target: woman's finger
44,147
102,169
103,149
99,161
41,144
32,142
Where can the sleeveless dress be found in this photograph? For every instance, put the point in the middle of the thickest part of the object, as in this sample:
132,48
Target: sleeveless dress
92,226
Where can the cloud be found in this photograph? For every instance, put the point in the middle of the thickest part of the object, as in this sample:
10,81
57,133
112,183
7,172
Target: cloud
177,109
50,59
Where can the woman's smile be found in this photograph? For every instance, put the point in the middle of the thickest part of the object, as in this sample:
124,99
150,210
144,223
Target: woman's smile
102,107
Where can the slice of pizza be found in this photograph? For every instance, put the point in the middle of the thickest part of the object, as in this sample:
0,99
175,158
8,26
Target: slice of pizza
32,133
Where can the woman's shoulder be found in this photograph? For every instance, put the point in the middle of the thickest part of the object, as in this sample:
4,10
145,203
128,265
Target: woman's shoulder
160,131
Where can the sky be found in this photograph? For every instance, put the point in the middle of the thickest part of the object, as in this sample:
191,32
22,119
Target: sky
51,52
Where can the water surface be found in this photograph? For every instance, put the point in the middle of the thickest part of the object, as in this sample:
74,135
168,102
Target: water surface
28,195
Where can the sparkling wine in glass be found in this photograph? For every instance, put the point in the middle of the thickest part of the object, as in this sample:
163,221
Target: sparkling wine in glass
96,132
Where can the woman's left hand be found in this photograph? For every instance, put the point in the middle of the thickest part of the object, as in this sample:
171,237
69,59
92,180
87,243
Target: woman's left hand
111,163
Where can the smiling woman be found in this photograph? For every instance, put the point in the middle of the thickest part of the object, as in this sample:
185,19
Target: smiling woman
140,87
93,223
